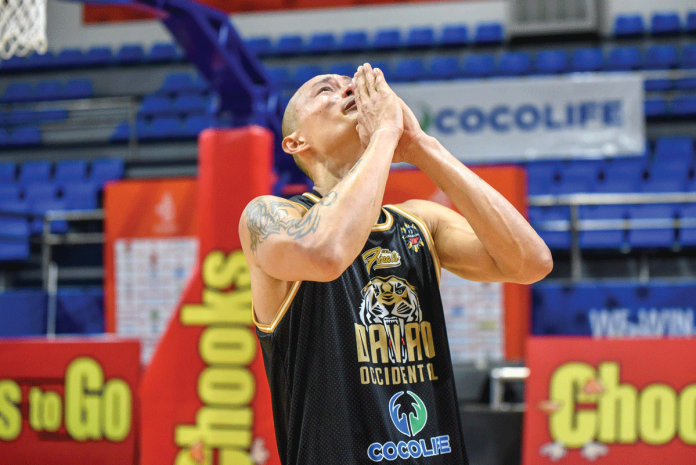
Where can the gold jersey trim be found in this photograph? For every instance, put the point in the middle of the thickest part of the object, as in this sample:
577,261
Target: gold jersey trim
386,225
281,311
426,232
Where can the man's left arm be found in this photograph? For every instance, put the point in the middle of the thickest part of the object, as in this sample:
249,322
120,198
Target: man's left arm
490,241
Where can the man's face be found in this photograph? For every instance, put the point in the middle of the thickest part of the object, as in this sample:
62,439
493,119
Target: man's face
327,115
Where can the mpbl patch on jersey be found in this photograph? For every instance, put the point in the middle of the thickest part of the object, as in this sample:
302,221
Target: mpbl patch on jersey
412,237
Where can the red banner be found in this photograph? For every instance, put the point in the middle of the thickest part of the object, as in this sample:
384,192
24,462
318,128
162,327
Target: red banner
205,398
603,401
68,401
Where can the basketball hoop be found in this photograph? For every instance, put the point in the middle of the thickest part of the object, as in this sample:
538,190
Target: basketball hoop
22,27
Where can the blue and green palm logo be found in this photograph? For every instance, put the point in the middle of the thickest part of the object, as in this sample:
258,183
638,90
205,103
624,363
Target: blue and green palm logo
425,119
415,421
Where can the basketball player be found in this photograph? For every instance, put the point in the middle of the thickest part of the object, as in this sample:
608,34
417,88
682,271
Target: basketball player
346,297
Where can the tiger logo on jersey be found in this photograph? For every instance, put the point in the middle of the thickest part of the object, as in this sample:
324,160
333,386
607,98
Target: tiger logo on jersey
391,302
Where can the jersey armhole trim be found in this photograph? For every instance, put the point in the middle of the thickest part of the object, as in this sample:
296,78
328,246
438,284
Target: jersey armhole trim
428,237
281,311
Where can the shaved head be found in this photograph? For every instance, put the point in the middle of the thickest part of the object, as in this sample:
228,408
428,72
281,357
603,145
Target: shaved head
290,124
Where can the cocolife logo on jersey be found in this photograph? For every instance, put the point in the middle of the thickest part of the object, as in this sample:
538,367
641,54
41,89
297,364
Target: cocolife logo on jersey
409,425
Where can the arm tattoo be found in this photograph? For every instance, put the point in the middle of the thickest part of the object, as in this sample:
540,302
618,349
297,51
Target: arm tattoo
267,217
355,165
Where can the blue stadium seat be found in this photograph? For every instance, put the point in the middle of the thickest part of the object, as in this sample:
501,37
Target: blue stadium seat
13,226
587,59
515,64
164,128
675,171
38,191
353,41
195,124
420,37
31,321
478,66
688,57
688,83
674,148
69,57
39,207
687,234
48,90
289,45
343,69
385,67
387,39
444,67
122,131
56,114
488,33
24,136
7,172
622,175
281,77
18,92
691,22
653,237
661,57
551,62
305,73
655,107
70,170
665,23
154,105
629,25
658,85
604,238
96,56
553,239
77,89
582,170
261,46
163,52
409,69
4,137
684,106
37,60
176,83
624,59
454,35
14,62
80,311
10,192
34,171
321,43
130,53
543,176
189,105
106,170
80,195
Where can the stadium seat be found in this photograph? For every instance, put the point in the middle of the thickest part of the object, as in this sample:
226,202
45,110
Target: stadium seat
691,22
658,85
280,76
655,107
48,90
409,69
289,45
98,56
69,58
36,60
38,191
343,69
659,236
688,56
687,234
488,33
153,105
601,238
353,41
80,195
163,128
665,23
385,67
454,35
130,54
189,105
39,207
543,176
551,62
684,106
12,250
478,66
31,321
587,59
674,148
7,172
162,52
420,37
10,193
629,25
122,132
305,73
261,46
444,67
321,43
13,226
106,170
685,83
195,124
176,83
24,136
387,39
77,89
4,137
553,239
57,114
14,62
624,59
18,92
70,170
34,171
80,311
621,175
515,64
661,57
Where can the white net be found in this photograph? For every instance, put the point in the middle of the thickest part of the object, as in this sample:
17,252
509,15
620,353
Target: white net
22,27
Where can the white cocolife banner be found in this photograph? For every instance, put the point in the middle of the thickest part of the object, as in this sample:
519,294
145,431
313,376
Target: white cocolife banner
511,119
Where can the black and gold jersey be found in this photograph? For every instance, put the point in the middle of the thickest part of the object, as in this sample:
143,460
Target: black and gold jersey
359,367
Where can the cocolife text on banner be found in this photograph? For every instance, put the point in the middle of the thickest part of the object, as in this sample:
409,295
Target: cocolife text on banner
512,119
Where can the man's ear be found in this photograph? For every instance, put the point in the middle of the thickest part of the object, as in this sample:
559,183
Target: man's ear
294,144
